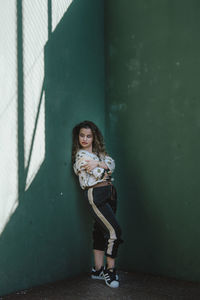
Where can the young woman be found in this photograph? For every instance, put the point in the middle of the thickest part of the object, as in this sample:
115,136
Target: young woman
94,168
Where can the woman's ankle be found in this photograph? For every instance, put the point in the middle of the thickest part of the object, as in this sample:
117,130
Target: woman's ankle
110,263
97,268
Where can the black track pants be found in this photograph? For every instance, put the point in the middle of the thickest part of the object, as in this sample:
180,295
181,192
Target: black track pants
107,232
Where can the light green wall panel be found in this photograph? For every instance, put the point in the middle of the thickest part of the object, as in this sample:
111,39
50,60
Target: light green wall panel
48,237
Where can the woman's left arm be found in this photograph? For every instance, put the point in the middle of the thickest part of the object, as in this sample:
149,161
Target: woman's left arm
92,164
97,168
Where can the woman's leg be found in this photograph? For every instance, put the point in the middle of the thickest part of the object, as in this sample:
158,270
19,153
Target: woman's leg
104,215
99,244
110,262
103,207
98,259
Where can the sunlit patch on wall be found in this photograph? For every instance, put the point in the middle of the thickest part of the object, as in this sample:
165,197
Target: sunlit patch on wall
35,34
8,113
59,7
37,149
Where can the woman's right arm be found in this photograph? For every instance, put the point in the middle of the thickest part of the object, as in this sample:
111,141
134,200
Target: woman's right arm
80,163
91,166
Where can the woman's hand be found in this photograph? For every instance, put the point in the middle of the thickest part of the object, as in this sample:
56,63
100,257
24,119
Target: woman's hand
90,165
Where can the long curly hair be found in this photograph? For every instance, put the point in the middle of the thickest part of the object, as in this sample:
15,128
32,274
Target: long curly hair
98,146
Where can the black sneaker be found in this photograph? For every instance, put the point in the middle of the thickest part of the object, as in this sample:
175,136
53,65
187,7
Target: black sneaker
116,275
97,274
111,278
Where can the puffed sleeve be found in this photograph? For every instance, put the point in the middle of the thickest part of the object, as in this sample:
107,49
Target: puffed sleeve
98,172
110,163
80,161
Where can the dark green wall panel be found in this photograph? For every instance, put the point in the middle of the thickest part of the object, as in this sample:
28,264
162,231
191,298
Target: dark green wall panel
153,127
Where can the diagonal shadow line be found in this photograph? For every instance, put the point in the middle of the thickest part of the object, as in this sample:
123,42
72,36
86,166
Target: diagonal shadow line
42,90
34,133
40,102
20,98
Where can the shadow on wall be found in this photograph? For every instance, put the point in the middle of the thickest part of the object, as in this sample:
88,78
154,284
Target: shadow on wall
140,229
153,118
48,236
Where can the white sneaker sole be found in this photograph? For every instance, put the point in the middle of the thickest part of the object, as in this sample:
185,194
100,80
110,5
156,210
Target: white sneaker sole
115,283
97,277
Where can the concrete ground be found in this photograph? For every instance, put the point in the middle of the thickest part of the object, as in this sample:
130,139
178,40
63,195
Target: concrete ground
132,286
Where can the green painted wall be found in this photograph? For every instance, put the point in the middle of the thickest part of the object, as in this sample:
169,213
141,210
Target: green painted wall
153,127
48,237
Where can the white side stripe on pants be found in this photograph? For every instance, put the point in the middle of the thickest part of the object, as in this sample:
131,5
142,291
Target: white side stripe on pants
103,219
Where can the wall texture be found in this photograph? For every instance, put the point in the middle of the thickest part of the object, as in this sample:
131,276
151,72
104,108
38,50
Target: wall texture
52,77
59,58
153,127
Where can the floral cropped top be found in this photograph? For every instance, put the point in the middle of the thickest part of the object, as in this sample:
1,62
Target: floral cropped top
97,174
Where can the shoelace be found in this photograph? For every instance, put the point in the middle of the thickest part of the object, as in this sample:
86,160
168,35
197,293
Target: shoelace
111,274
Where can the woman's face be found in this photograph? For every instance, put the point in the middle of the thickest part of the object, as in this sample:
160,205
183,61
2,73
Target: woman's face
86,138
